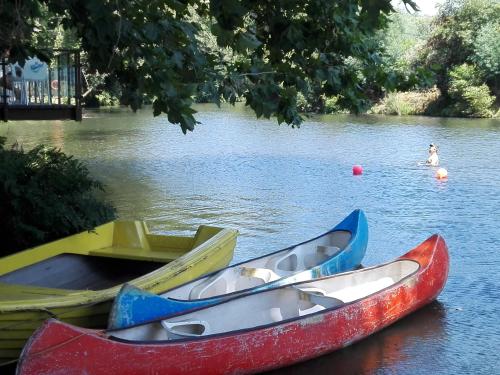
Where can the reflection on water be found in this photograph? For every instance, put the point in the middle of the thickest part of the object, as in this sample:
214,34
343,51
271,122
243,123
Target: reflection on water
280,186
394,350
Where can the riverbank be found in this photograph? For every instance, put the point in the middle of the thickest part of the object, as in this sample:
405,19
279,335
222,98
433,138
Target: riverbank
431,103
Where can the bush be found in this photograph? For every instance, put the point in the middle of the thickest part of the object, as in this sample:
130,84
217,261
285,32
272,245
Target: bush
471,97
331,105
106,99
397,105
45,195
302,104
407,103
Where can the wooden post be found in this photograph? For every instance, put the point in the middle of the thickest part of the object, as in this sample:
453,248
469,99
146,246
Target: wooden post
78,87
68,78
59,79
4,81
50,86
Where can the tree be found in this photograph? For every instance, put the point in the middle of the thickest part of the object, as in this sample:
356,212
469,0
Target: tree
152,48
471,97
487,54
405,35
457,30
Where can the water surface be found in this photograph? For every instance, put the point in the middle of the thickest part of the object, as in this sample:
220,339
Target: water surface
279,186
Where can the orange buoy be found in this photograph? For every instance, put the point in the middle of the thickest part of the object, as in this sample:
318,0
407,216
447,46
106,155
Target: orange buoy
357,170
54,84
441,173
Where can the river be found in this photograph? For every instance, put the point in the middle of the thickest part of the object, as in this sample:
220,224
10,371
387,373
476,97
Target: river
279,186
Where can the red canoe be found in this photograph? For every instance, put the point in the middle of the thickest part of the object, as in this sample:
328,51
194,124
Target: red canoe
274,328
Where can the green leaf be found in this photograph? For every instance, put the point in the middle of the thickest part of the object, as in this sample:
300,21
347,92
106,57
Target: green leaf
245,41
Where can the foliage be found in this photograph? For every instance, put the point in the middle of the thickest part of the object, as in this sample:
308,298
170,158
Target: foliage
396,105
487,54
331,105
404,37
397,47
457,30
407,103
471,97
106,98
487,49
302,103
45,195
153,49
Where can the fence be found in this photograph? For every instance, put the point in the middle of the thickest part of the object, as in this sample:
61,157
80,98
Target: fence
45,89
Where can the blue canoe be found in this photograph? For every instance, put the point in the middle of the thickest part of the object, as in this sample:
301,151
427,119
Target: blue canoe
338,250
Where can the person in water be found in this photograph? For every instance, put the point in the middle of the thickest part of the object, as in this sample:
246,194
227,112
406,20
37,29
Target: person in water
433,159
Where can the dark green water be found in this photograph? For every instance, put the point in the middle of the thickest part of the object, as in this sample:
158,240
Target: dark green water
280,186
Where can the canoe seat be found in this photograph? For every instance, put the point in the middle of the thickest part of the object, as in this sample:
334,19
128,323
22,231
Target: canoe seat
210,287
252,277
322,254
227,281
191,328
315,299
301,258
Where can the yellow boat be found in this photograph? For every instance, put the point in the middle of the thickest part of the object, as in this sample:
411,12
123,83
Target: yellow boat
76,278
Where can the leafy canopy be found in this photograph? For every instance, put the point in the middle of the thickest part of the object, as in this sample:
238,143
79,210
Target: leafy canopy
153,49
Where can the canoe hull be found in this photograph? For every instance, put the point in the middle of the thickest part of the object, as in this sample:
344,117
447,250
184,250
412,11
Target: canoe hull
61,348
23,308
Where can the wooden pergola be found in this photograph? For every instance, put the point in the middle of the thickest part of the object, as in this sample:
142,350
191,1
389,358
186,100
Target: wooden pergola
39,90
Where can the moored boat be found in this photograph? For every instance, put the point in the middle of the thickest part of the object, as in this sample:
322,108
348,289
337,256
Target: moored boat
76,278
248,334
340,249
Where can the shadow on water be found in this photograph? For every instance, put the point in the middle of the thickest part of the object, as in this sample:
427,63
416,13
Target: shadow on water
390,351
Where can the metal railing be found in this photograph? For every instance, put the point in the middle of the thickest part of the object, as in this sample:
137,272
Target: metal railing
42,83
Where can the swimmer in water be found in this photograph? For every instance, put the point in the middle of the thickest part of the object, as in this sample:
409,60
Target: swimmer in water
433,159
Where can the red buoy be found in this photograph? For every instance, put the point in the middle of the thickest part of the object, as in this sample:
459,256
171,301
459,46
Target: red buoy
357,170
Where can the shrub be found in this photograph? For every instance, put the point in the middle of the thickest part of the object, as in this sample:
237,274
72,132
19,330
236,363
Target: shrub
479,101
397,105
407,103
107,99
45,195
302,104
331,105
471,97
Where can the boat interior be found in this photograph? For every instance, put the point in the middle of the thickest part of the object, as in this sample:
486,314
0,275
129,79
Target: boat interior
266,269
80,272
110,255
273,305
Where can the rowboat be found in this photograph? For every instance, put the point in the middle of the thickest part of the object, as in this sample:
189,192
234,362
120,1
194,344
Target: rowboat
76,278
252,333
340,249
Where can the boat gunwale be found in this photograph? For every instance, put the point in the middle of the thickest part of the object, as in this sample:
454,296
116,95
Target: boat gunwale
396,285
